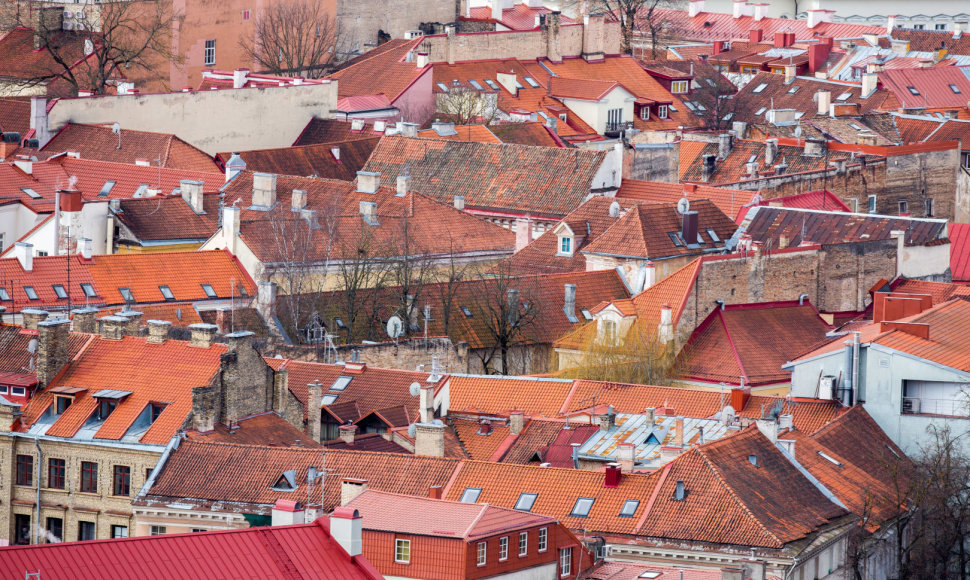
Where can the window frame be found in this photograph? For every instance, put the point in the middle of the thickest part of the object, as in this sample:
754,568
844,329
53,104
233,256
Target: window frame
902,206
58,400
59,291
523,544
88,482
400,543
88,289
209,291
565,561
576,514
661,111
623,510
121,481
84,526
481,554
167,293
503,548
683,85
115,528
25,470
477,491
209,53
565,246
31,293
526,496
645,113
871,204
56,474
543,539
157,530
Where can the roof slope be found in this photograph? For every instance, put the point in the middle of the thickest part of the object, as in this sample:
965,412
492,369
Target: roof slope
959,235
152,219
380,72
800,96
338,160
539,180
707,26
932,86
729,201
768,224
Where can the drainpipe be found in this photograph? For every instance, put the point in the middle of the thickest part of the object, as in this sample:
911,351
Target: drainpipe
853,396
40,463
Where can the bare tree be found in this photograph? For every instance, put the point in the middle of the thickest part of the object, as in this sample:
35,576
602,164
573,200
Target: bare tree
635,16
639,357
102,44
293,38
464,106
507,308
412,270
362,272
713,101
450,279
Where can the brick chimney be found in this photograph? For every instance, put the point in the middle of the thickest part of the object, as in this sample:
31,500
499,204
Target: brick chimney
52,352
264,191
113,327
313,403
823,99
85,320
516,422
553,50
723,145
158,331
710,160
666,327
350,488
429,439
348,433
32,316
202,334
594,35
403,185
523,233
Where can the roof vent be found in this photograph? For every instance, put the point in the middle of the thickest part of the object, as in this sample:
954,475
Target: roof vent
681,491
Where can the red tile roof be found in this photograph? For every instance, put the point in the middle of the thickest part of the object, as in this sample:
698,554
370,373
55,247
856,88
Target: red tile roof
304,550
47,272
316,160
959,235
500,395
932,84
529,133
820,199
20,61
929,40
263,429
940,291
363,103
730,345
479,133
154,219
583,89
14,354
707,26
15,116
519,17
768,224
320,131
727,200
101,143
385,72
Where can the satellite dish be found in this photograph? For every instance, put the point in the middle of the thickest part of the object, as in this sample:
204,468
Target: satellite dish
32,346
615,209
395,327
415,389
727,415
116,128
412,430
683,206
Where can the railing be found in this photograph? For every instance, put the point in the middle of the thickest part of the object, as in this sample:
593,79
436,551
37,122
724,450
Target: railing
924,406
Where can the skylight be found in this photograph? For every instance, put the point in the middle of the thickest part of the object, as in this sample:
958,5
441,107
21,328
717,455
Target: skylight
31,294
955,89
713,235
207,288
470,495
856,127
913,90
466,311
126,294
531,82
106,188
582,507
166,292
761,110
710,82
140,192
830,459
3,294
29,191
340,323
843,97
341,383
650,575
760,88
729,116
477,85
328,399
526,501
442,86
672,107
492,84
700,107
675,239
793,90
88,290
586,314
690,105
59,291
629,508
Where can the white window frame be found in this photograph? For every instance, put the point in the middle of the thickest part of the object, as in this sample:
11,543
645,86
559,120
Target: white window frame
565,561
543,539
645,113
523,544
402,545
679,87
662,111
565,246
503,548
482,553
209,53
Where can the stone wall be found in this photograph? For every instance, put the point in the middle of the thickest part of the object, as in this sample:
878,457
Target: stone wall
403,355
360,20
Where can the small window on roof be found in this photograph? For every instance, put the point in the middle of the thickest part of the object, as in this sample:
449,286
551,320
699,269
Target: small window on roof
207,288
166,292
856,127
492,84
59,290
700,107
672,107
955,89
675,239
582,507
340,323
341,383
518,85
470,495
531,82
760,88
650,574
3,294
477,85
242,291
913,90
29,191
442,86
793,89
629,508
843,97
106,188
586,314
830,459
729,116
526,501
799,114
713,235
690,105
710,82
88,290
31,294
328,399
126,294
466,311
761,110
286,481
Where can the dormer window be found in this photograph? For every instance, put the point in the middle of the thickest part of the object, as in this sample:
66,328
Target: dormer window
61,403
286,481
662,111
105,408
645,113
565,246
678,87
609,331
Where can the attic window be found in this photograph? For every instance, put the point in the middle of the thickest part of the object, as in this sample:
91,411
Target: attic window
856,127
341,383
166,292
126,294
105,408
207,288
710,82
526,501
59,291
582,507
88,290
680,491
690,105
340,323
442,86
156,410
672,108
758,89
793,89
470,495
106,188
328,399
492,84
829,458
650,575
629,508
477,85
753,460
586,314
675,239
843,97
713,235
955,89
30,192
466,311
286,481
729,116
31,294
700,107
913,90
531,82
761,110
3,294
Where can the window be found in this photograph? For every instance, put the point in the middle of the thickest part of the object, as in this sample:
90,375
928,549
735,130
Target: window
328,399
18,391
246,15
913,90
61,403
609,331
482,552
209,292
933,398
341,383
156,410
523,543
662,111
470,495
140,192
918,26
209,58
119,531
526,501
761,110
613,119
903,207
55,527
198,530
713,235
106,188
59,291
122,480
25,470
675,239
492,84
872,204
85,531
689,105
29,191
166,292
105,408
402,551
443,87
565,561
793,89
565,246
55,473
645,113
89,477
629,508
678,87
21,529
157,530
31,293
543,539
531,82
88,290
503,548
729,116
465,311
3,389
843,97
126,294
3,294
758,89
928,206
582,507
955,89
477,85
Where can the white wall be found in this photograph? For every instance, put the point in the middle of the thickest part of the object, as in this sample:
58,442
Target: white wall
15,221
595,113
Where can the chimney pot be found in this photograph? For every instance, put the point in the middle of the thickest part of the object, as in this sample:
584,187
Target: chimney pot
202,334
348,433
264,191
298,200
368,181
158,330
460,202
403,184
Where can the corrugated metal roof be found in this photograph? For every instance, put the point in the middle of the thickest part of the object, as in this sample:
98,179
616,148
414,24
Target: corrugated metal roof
647,436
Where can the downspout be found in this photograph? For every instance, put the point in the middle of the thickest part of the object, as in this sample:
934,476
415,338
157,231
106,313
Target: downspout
853,396
57,222
40,462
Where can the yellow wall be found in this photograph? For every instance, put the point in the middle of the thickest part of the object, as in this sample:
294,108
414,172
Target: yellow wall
132,249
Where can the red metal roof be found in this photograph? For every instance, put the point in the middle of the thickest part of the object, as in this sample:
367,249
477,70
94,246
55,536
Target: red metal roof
932,86
820,199
304,551
959,235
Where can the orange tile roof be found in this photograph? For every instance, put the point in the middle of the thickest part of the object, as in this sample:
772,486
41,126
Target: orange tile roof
14,354
264,429
494,395
940,291
382,71
479,133
45,273
482,442
727,200
153,373
519,17
689,152
583,89
153,219
528,133
20,60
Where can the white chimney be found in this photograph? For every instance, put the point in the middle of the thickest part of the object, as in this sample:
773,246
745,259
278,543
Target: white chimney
760,11
288,513
869,83
239,77
496,9
24,252
459,202
769,427
569,303
192,194
298,200
739,8
335,151
143,163
403,185
426,403
824,100
230,227
234,166
422,60
368,181
85,248
666,327
650,275
816,17
786,421
890,24
346,528
695,7
957,29
264,190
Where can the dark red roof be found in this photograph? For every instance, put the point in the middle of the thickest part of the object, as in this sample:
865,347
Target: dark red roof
960,252
338,160
834,227
932,86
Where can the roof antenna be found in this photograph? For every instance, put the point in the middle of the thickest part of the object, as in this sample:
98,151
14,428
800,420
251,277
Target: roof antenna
116,129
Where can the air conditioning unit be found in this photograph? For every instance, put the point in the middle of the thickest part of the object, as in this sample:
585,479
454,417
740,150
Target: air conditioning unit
79,26
68,14
910,405
412,34
826,387
79,14
68,26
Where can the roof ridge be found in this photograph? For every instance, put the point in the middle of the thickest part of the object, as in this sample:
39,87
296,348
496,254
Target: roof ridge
734,349
471,526
733,494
